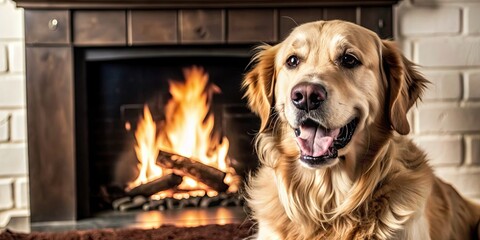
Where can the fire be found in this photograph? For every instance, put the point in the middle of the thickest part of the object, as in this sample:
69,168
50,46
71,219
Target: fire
187,130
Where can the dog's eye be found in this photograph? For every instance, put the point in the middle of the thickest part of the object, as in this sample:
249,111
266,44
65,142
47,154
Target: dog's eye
349,61
293,61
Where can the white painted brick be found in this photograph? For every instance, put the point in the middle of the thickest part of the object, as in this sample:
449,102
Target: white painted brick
16,57
6,193
4,126
444,85
465,179
448,118
473,16
448,52
12,91
11,21
18,126
13,159
406,47
430,21
474,151
3,58
473,86
442,150
21,193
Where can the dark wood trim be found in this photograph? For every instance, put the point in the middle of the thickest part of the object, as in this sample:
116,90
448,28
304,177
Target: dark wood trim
149,4
51,136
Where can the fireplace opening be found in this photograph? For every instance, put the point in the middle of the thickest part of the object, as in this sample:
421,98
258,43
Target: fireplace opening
126,92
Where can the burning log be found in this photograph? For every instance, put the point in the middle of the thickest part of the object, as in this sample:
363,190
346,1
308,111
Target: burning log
160,184
208,175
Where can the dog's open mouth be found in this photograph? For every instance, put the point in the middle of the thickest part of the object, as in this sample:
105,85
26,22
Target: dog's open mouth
319,144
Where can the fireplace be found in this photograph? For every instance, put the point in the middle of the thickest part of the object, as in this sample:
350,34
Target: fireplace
122,86
93,66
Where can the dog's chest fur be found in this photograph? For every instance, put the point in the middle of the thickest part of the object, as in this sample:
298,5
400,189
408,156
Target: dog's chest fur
293,208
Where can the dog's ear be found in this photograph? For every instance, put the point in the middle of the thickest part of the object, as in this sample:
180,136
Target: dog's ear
405,86
259,83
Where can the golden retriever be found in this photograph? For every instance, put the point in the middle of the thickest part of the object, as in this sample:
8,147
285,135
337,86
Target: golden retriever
335,161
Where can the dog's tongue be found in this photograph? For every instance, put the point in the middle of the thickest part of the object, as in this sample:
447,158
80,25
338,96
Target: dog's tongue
315,140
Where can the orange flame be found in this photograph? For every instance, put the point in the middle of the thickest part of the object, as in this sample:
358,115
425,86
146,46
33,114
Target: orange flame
187,130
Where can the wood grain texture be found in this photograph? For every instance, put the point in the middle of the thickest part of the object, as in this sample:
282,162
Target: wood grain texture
51,134
47,27
99,28
251,26
202,26
379,20
152,27
175,4
340,13
290,18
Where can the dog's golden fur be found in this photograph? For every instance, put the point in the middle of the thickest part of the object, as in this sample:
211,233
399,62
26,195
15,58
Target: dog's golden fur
380,186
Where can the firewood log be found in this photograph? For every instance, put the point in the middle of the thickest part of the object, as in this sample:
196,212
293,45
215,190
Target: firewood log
160,184
210,176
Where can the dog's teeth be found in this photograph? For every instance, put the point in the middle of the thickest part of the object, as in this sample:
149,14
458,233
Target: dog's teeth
297,132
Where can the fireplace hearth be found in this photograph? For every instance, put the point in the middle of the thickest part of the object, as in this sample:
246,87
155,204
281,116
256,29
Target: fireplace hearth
94,66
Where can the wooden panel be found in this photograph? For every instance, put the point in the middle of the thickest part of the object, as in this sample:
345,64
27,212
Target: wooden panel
150,4
290,18
151,27
378,19
99,28
50,133
347,14
202,26
251,25
47,27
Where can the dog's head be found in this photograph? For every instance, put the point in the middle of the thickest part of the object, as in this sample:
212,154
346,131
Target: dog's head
330,82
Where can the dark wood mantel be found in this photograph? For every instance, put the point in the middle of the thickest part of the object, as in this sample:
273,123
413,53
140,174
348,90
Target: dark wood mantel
56,29
132,4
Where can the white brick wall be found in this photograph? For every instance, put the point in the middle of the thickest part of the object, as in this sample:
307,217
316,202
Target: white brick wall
443,37
472,85
13,156
446,85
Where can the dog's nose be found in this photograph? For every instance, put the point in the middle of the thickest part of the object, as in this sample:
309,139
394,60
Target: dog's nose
308,96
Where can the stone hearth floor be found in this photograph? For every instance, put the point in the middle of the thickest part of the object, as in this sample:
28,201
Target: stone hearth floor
188,217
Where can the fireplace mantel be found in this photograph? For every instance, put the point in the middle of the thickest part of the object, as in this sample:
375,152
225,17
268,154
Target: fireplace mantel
56,30
132,4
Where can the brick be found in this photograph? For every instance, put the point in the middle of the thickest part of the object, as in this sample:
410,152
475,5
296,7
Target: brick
474,149
12,91
430,21
4,126
21,193
444,86
6,194
13,159
3,58
464,179
448,118
406,47
11,21
473,18
16,57
442,150
448,52
472,87
18,126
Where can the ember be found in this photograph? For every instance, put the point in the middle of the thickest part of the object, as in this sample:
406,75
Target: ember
181,156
